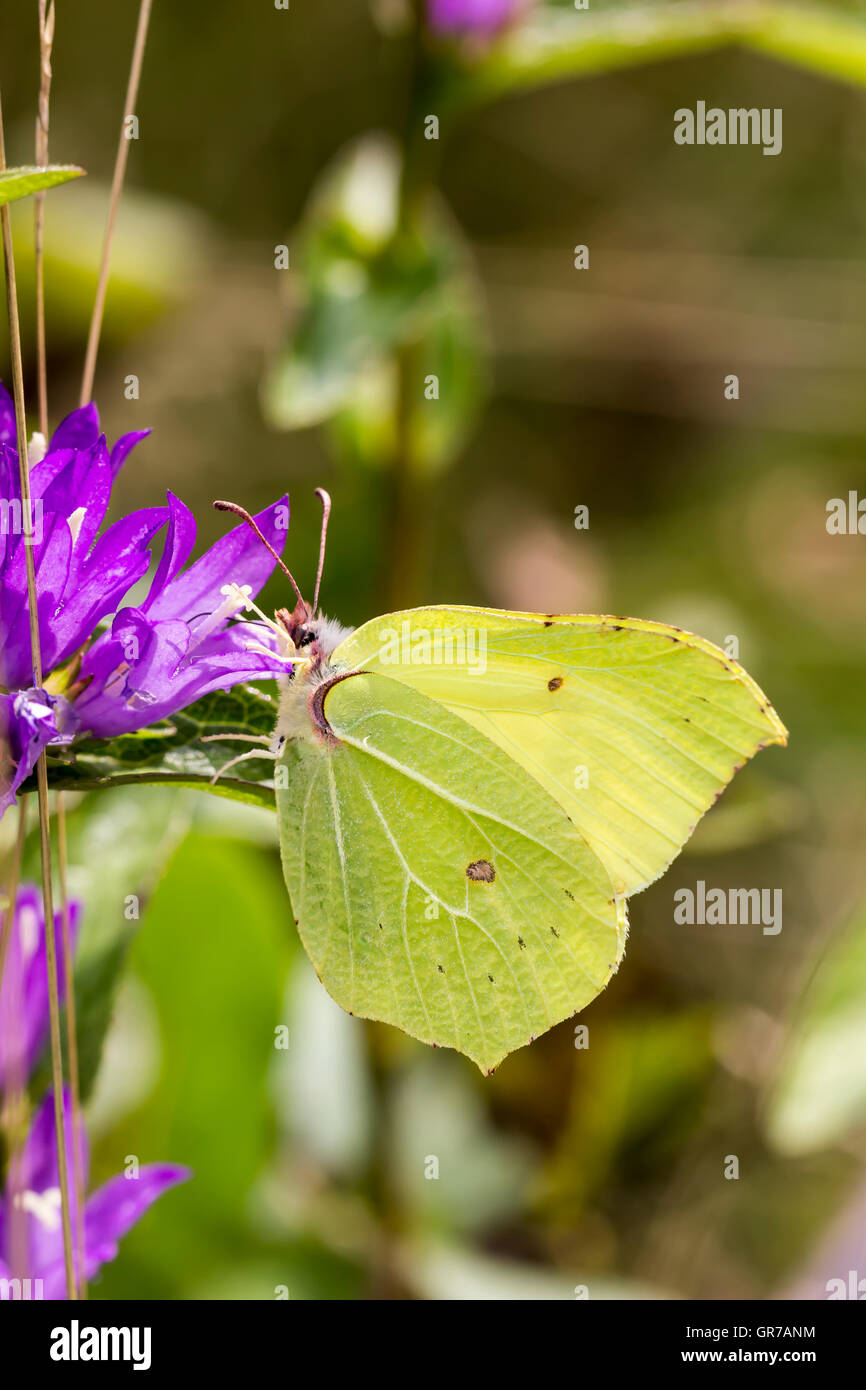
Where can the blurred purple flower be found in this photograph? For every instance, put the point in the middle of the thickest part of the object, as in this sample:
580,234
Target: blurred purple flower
472,16
154,659
24,987
33,1197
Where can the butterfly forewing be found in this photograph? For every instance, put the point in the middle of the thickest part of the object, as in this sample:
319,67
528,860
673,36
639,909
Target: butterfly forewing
437,885
633,727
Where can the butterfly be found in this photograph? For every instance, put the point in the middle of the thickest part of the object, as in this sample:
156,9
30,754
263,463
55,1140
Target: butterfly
467,797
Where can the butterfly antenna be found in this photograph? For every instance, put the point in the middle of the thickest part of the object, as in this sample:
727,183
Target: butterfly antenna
325,499
250,521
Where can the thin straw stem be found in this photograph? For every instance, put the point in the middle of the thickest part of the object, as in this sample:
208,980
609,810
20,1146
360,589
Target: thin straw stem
114,203
46,40
14,1115
41,768
71,1044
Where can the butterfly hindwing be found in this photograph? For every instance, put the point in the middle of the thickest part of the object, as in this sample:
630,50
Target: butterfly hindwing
633,727
436,884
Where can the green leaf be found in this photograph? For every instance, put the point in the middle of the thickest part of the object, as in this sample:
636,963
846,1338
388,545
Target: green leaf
174,752
370,295
28,179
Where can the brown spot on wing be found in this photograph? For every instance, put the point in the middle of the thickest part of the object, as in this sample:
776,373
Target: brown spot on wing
481,871
555,682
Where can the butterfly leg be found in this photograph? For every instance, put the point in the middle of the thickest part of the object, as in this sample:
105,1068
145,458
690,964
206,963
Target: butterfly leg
236,738
241,758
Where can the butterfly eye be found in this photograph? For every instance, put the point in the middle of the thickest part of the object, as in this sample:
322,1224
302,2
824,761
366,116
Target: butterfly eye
307,636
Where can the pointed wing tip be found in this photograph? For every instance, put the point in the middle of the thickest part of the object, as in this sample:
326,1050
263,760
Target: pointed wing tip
485,1065
779,732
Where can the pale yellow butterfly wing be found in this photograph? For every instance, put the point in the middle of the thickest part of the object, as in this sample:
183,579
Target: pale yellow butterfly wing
633,727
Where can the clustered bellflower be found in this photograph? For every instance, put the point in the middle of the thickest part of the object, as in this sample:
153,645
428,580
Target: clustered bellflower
482,17
30,1215
112,669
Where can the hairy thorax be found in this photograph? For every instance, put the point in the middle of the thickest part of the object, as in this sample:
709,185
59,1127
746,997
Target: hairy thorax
296,720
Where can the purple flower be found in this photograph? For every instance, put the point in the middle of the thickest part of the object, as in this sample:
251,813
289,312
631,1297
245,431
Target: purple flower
30,720
79,579
33,1199
153,660
485,17
24,987
181,643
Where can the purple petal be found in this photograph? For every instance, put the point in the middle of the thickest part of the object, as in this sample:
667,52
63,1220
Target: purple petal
178,545
161,646
8,428
51,560
29,721
238,558
80,488
10,488
22,1016
109,1214
40,1169
101,708
123,447
24,989
44,474
204,677
119,559
230,650
102,696
37,1175
78,430
165,677
111,705
115,1207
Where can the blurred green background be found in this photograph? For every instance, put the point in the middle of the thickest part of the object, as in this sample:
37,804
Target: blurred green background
601,1167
